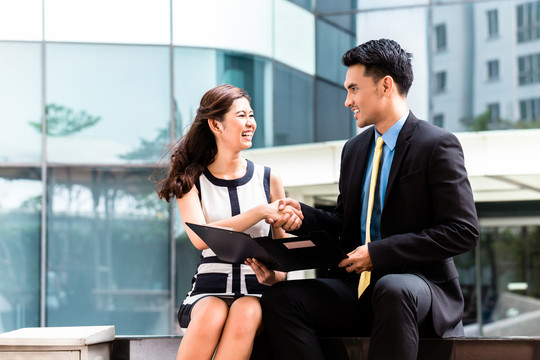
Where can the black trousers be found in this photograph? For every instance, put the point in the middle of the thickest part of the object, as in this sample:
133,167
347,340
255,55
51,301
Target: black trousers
394,313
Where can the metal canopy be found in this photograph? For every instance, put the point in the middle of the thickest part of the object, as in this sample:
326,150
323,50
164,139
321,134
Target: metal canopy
502,166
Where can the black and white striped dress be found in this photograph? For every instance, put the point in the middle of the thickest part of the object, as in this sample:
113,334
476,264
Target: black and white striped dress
222,199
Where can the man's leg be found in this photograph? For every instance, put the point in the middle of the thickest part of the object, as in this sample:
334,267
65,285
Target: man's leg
401,306
296,313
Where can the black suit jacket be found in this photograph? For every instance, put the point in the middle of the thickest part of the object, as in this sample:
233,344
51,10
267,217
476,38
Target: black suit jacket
428,216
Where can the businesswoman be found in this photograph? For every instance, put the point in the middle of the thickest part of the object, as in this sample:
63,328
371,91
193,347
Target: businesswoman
213,184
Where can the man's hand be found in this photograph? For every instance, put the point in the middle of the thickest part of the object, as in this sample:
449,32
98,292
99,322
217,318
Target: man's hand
264,275
358,260
292,217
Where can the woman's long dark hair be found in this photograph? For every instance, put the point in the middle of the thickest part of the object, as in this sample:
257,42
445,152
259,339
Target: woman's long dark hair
197,149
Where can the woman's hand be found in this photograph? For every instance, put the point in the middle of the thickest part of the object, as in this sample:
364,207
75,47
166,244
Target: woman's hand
264,275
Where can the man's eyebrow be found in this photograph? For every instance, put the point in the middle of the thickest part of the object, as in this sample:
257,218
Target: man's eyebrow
351,85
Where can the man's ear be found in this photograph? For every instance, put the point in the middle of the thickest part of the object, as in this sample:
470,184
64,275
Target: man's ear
388,85
215,126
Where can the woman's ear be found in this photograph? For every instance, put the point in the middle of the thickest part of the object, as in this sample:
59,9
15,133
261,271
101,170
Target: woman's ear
215,126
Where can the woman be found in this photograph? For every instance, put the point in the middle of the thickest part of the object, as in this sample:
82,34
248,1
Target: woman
214,184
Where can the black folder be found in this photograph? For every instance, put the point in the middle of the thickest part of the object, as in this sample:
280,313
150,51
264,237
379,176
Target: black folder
315,250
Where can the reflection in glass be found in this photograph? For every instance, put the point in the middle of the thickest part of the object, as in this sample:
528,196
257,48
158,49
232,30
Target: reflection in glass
187,259
510,279
293,107
20,233
332,42
20,85
465,264
347,22
108,252
248,73
114,99
530,110
294,36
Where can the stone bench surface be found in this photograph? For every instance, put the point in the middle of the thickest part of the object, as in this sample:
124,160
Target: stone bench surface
481,348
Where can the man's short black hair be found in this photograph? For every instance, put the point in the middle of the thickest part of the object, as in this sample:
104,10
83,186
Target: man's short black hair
380,58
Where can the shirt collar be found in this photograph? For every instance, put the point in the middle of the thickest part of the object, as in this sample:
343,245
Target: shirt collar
391,135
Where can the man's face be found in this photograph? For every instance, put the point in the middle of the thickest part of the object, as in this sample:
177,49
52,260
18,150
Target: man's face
364,96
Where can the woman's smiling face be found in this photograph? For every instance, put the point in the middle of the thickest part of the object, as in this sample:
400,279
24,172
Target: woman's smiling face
239,124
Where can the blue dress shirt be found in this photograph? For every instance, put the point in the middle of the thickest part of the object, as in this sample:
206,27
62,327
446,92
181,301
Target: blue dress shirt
390,139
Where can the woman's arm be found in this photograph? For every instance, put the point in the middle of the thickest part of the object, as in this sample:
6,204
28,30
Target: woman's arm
264,275
191,211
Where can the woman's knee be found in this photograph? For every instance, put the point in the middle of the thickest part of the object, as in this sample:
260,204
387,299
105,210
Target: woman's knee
210,312
245,316
248,307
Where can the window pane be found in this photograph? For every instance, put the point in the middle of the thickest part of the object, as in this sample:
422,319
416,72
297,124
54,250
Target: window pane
333,121
438,120
306,4
493,23
346,22
510,279
332,43
108,251
440,81
197,71
493,70
293,107
291,19
20,233
187,259
440,38
114,100
20,94
465,264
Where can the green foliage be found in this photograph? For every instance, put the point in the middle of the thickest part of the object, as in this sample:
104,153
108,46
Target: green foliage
149,149
63,121
534,124
482,122
31,205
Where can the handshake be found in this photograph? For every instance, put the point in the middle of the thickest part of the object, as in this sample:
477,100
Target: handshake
286,214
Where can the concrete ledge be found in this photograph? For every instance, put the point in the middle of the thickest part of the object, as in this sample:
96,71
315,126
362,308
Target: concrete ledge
145,348
500,348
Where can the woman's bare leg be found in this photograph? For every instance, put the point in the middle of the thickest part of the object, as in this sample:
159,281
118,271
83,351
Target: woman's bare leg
208,318
243,323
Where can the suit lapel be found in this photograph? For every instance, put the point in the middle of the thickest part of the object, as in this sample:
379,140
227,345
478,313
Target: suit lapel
361,152
402,145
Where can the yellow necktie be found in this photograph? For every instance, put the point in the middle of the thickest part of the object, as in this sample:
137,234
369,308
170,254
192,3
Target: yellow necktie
366,275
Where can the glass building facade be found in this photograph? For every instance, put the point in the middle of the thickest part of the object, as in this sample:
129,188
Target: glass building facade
92,94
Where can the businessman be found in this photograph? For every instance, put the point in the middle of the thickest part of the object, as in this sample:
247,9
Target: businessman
405,208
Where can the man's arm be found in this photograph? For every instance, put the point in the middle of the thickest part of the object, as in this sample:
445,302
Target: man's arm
451,211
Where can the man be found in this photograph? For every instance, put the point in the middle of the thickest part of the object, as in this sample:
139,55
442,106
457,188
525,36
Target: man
423,214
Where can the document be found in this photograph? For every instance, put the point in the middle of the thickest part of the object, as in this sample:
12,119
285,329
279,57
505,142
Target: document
315,250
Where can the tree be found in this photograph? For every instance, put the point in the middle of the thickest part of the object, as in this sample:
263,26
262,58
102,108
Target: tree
62,121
